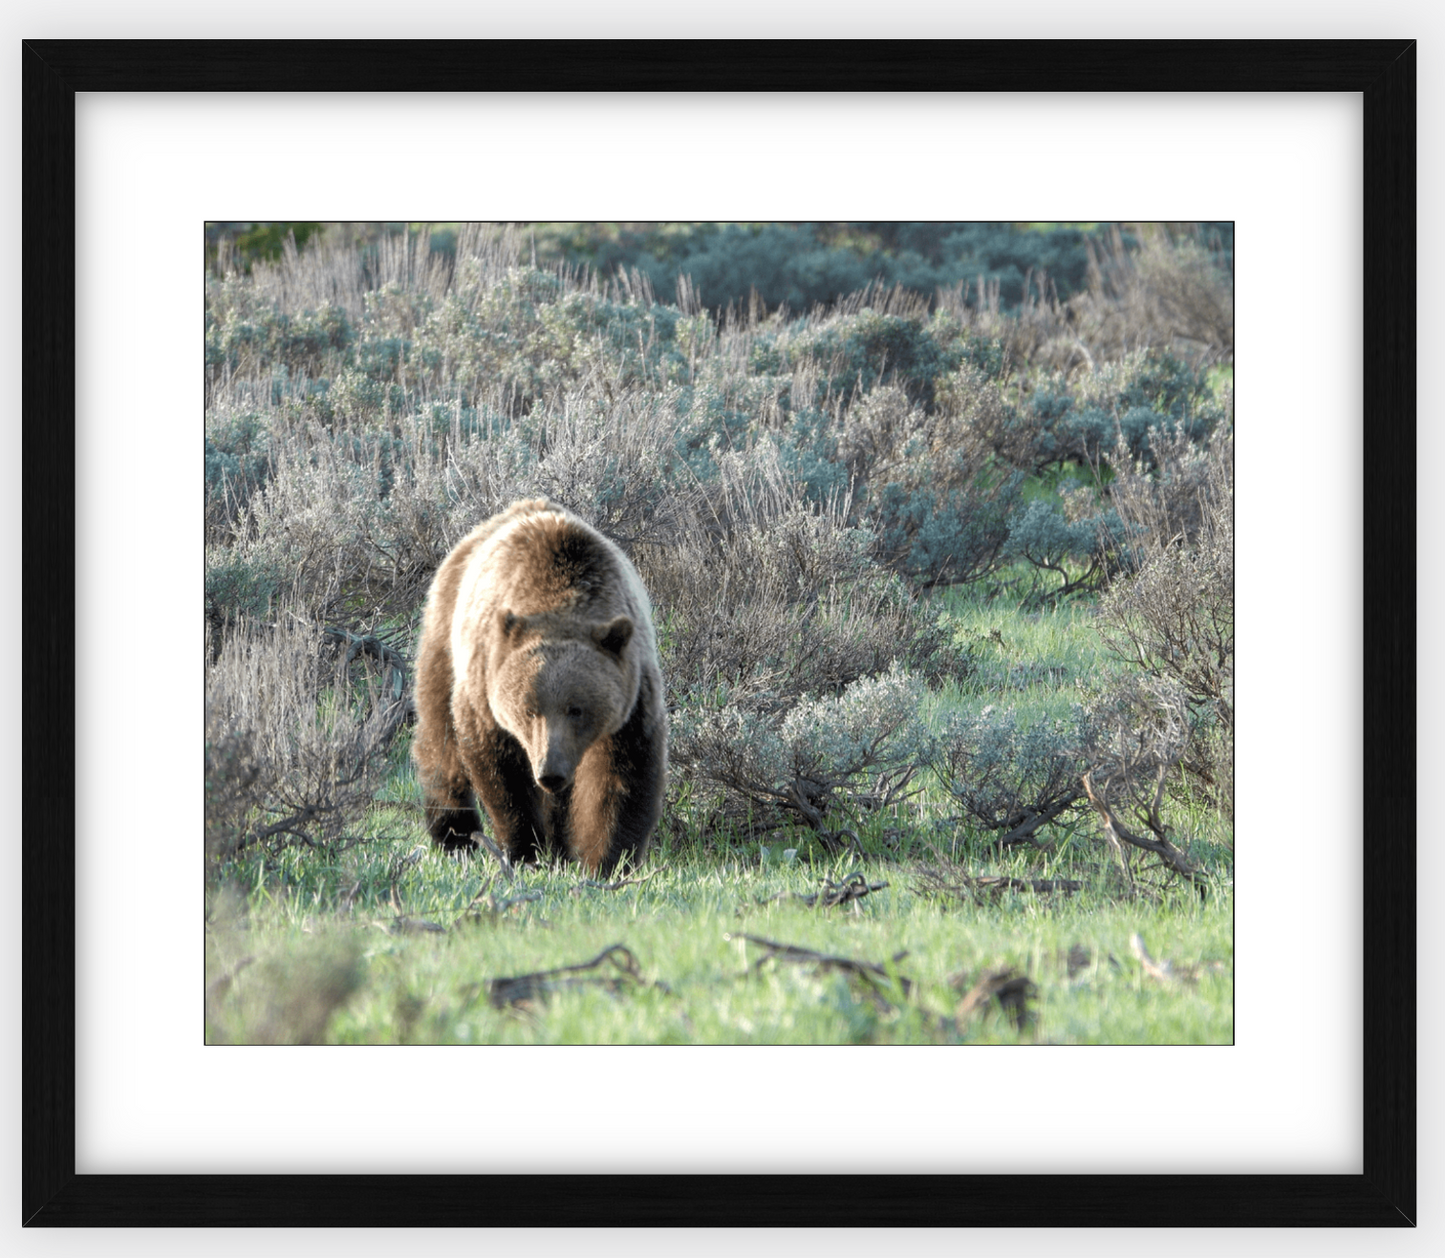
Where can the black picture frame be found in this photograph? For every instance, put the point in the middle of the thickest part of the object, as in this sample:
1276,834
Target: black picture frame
53,1194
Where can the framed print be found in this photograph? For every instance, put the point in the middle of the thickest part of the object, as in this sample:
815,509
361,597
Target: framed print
74,383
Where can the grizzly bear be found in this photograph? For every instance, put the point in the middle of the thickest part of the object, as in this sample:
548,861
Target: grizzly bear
538,693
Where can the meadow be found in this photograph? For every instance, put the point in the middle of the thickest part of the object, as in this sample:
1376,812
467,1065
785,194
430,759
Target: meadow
943,585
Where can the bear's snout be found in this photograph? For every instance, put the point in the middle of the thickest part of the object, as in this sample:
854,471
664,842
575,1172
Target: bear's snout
555,772
552,782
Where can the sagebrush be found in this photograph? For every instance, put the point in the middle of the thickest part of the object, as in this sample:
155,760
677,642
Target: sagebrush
798,484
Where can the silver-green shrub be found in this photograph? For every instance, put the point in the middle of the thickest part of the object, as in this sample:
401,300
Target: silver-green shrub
1173,620
295,750
787,485
1012,773
807,757
928,484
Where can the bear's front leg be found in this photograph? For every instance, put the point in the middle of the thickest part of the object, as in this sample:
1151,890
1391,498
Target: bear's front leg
617,799
451,813
447,801
502,776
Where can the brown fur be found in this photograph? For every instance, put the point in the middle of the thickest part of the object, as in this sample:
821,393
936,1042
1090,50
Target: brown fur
538,693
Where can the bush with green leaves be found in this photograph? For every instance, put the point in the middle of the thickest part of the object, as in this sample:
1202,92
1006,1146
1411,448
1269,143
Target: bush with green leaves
1137,401
766,602
243,334
810,758
1013,774
859,352
786,265
1068,545
927,481
802,265
237,462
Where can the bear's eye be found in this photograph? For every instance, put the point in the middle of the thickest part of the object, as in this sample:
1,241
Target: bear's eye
574,712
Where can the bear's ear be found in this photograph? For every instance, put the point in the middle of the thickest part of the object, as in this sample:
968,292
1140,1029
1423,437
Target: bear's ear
613,635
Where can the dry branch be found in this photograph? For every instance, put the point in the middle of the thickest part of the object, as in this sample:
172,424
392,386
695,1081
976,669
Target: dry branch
869,971
854,887
525,989
587,884
1033,821
403,923
1118,834
415,926
976,886
390,705
488,902
497,854
1163,971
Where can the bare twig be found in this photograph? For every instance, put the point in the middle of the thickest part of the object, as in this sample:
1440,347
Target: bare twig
415,926
587,884
487,902
390,707
842,840
525,989
403,923
498,855
853,887
995,884
1032,821
1163,971
867,970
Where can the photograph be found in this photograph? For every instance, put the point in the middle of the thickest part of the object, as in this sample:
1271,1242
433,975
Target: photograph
733,633
731,602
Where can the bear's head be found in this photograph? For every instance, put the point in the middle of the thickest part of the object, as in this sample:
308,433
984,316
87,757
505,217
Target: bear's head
558,688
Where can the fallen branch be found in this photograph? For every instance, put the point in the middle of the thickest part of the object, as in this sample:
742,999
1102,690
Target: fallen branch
853,887
495,905
402,923
498,855
867,970
413,926
842,840
976,886
1163,972
524,989
587,884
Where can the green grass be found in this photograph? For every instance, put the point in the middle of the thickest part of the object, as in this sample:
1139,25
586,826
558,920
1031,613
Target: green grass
345,970
1022,657
391,942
